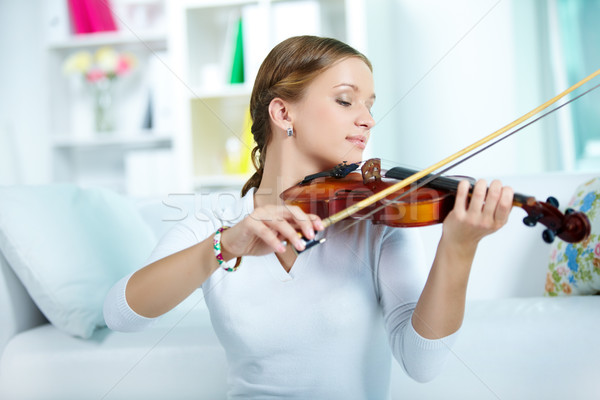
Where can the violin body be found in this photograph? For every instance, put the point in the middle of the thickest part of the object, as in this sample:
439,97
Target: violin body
427,201
326,195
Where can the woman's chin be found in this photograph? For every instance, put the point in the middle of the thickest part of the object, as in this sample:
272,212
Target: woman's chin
354,155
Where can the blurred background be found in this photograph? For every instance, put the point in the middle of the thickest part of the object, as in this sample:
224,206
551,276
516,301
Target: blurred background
149,97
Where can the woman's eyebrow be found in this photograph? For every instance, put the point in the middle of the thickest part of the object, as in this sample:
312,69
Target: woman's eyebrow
354,87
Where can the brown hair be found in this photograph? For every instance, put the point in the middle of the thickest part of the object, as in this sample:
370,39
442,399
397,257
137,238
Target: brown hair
285,73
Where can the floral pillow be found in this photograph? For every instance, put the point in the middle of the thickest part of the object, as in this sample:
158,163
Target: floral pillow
575,267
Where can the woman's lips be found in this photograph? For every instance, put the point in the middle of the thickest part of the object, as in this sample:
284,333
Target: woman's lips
358,142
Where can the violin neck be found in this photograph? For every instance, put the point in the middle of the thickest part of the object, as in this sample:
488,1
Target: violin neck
521,200
440,183
449,183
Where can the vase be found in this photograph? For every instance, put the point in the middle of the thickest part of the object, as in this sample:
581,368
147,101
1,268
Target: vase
103,106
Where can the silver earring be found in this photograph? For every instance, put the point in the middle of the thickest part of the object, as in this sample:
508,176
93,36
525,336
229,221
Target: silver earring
290,131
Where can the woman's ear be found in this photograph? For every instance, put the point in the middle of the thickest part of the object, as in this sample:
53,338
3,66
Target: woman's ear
279,113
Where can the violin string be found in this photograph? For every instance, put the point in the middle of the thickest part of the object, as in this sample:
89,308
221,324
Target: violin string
431,177
385,162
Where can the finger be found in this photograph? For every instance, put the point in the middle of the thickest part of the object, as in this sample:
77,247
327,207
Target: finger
268,236
317,222
287,232
504,205
478,197
304,221
491,199
462,192
269,224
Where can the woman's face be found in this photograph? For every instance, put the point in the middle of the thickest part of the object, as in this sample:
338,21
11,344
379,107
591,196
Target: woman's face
332,122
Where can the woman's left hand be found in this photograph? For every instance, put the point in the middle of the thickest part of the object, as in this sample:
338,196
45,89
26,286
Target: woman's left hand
485,213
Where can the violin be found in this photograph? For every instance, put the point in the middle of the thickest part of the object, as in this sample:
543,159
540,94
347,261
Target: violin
331,192
341,192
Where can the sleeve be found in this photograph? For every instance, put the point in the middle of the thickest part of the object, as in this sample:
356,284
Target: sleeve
118,315
401,276
183,235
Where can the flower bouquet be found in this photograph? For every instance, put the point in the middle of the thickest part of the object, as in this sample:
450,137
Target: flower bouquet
100,70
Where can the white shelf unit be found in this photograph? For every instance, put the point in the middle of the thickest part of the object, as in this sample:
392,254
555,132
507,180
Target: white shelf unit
144,138
154,39
210,111
85,157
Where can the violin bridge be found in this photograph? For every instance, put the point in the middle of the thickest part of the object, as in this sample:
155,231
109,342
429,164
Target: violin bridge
371,170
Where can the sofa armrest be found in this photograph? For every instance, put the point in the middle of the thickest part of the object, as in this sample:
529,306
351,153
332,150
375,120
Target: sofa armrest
18,312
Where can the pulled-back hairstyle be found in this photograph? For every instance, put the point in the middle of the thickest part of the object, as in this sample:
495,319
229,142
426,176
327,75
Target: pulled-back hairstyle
285,73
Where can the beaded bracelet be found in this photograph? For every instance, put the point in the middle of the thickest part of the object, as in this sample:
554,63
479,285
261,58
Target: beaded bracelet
219,255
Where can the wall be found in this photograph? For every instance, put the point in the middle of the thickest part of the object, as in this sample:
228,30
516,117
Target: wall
449,73
24,148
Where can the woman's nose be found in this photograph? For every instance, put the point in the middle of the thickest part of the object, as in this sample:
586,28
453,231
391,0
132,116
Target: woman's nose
365,119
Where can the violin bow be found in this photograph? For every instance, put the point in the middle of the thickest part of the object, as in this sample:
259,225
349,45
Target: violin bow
429,171
439,173
332,219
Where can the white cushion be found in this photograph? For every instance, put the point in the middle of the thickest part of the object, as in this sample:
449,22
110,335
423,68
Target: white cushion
68,246
180,357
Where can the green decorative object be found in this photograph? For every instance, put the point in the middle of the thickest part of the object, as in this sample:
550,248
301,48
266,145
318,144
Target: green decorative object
237,69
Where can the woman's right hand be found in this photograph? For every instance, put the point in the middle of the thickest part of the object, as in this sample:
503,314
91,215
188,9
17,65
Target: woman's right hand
264,230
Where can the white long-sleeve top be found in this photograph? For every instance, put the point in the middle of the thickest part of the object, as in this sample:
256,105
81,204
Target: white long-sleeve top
322,331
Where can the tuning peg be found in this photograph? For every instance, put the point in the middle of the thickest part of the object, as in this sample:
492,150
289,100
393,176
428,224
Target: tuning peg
548,236
552,201
530,221
569,211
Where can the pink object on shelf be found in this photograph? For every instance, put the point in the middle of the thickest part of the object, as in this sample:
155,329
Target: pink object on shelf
88,16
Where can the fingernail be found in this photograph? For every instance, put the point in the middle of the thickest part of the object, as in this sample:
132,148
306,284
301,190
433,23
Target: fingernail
300,245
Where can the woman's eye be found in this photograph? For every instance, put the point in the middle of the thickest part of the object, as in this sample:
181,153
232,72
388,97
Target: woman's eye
343,103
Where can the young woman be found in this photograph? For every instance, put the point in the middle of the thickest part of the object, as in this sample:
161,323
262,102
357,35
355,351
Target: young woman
322,324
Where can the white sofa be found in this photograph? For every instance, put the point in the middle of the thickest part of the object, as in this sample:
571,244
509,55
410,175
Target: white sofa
515,343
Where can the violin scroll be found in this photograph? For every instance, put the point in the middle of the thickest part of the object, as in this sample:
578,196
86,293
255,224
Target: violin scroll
572,226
